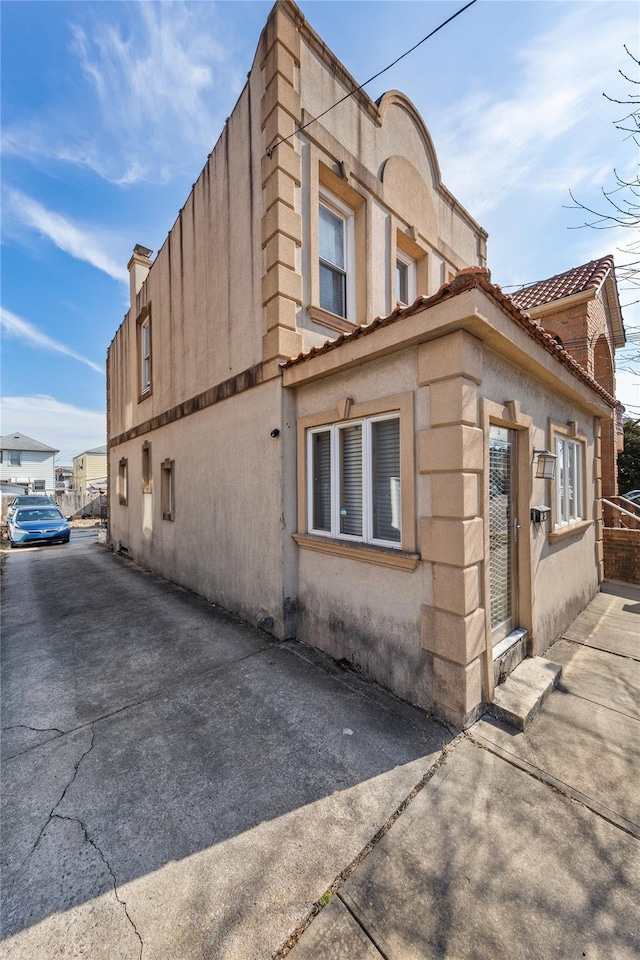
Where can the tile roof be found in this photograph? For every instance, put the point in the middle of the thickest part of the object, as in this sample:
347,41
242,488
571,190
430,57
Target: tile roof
18,441
577,280
468,279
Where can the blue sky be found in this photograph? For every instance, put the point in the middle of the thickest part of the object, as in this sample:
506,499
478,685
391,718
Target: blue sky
109,110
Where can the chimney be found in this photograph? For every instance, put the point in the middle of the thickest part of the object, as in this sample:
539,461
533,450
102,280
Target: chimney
138,268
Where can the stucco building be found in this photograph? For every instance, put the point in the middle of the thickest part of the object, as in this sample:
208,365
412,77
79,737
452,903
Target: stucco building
365,485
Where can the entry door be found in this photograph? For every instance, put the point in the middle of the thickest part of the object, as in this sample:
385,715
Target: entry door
503,531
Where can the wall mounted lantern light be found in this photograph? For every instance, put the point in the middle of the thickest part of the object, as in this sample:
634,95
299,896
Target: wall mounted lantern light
546,465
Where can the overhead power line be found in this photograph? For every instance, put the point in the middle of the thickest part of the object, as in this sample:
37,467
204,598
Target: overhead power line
374,77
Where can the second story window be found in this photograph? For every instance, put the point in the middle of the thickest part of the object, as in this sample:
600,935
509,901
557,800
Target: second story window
144,353
336,253
405,279
15,460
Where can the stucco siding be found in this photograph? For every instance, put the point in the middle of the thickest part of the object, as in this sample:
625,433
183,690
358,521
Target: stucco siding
565,573
225,542
204,285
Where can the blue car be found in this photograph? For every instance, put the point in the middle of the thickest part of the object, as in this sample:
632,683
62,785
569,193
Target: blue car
33,524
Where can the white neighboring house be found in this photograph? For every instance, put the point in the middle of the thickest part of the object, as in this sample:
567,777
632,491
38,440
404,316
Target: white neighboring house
26,465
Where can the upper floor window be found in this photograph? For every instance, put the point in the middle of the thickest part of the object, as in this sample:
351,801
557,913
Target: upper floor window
568,481
144,353
336,258
15,458
405,279
354,480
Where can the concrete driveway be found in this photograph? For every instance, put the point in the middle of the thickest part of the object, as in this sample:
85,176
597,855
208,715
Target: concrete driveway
174,785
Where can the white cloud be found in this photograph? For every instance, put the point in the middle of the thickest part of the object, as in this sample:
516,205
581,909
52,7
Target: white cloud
157,81
496,146
81,241
69,429
14,326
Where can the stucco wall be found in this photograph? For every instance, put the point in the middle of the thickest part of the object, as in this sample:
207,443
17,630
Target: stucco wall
400,134
204,285
360,612
225,542
565,573
369,614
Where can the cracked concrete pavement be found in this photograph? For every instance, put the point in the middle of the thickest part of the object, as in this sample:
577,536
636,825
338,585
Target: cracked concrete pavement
175,784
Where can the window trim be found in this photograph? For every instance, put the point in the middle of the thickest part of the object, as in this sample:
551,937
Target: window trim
167,489
122,486
346,214
334,430
146,470
561,528
15,458
143,323
400,405
412,282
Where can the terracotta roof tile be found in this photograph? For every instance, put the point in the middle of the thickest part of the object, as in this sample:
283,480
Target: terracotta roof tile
468,279
577,280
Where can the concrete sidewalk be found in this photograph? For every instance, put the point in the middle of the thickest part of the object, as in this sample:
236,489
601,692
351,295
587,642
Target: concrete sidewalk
521,846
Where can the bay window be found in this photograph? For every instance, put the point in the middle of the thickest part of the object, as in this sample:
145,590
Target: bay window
354,480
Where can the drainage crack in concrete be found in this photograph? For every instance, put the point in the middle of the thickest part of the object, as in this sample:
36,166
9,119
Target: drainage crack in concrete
53,814
25,726
91,841
344,875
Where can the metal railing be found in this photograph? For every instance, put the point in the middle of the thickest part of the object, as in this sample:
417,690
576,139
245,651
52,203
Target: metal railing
625,514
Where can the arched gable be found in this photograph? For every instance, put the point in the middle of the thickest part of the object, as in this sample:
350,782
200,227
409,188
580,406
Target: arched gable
407,194
395,98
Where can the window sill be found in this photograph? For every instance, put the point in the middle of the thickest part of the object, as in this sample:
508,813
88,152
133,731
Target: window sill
364,552
330,320
571,530
145,395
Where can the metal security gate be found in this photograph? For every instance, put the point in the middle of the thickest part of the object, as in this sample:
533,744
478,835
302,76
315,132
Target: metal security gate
503,530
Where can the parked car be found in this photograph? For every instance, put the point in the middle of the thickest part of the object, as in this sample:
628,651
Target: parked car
633,495
36,499
37,524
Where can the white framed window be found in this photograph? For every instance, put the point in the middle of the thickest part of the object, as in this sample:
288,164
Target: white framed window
405,279
569,494
15,459
353,472
336,256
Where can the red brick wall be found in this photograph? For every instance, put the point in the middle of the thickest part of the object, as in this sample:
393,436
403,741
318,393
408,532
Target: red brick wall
622,555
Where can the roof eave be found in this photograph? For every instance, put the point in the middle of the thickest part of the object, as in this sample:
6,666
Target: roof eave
478,312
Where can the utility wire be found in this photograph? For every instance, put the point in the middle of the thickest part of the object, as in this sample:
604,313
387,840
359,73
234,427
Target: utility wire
374,77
